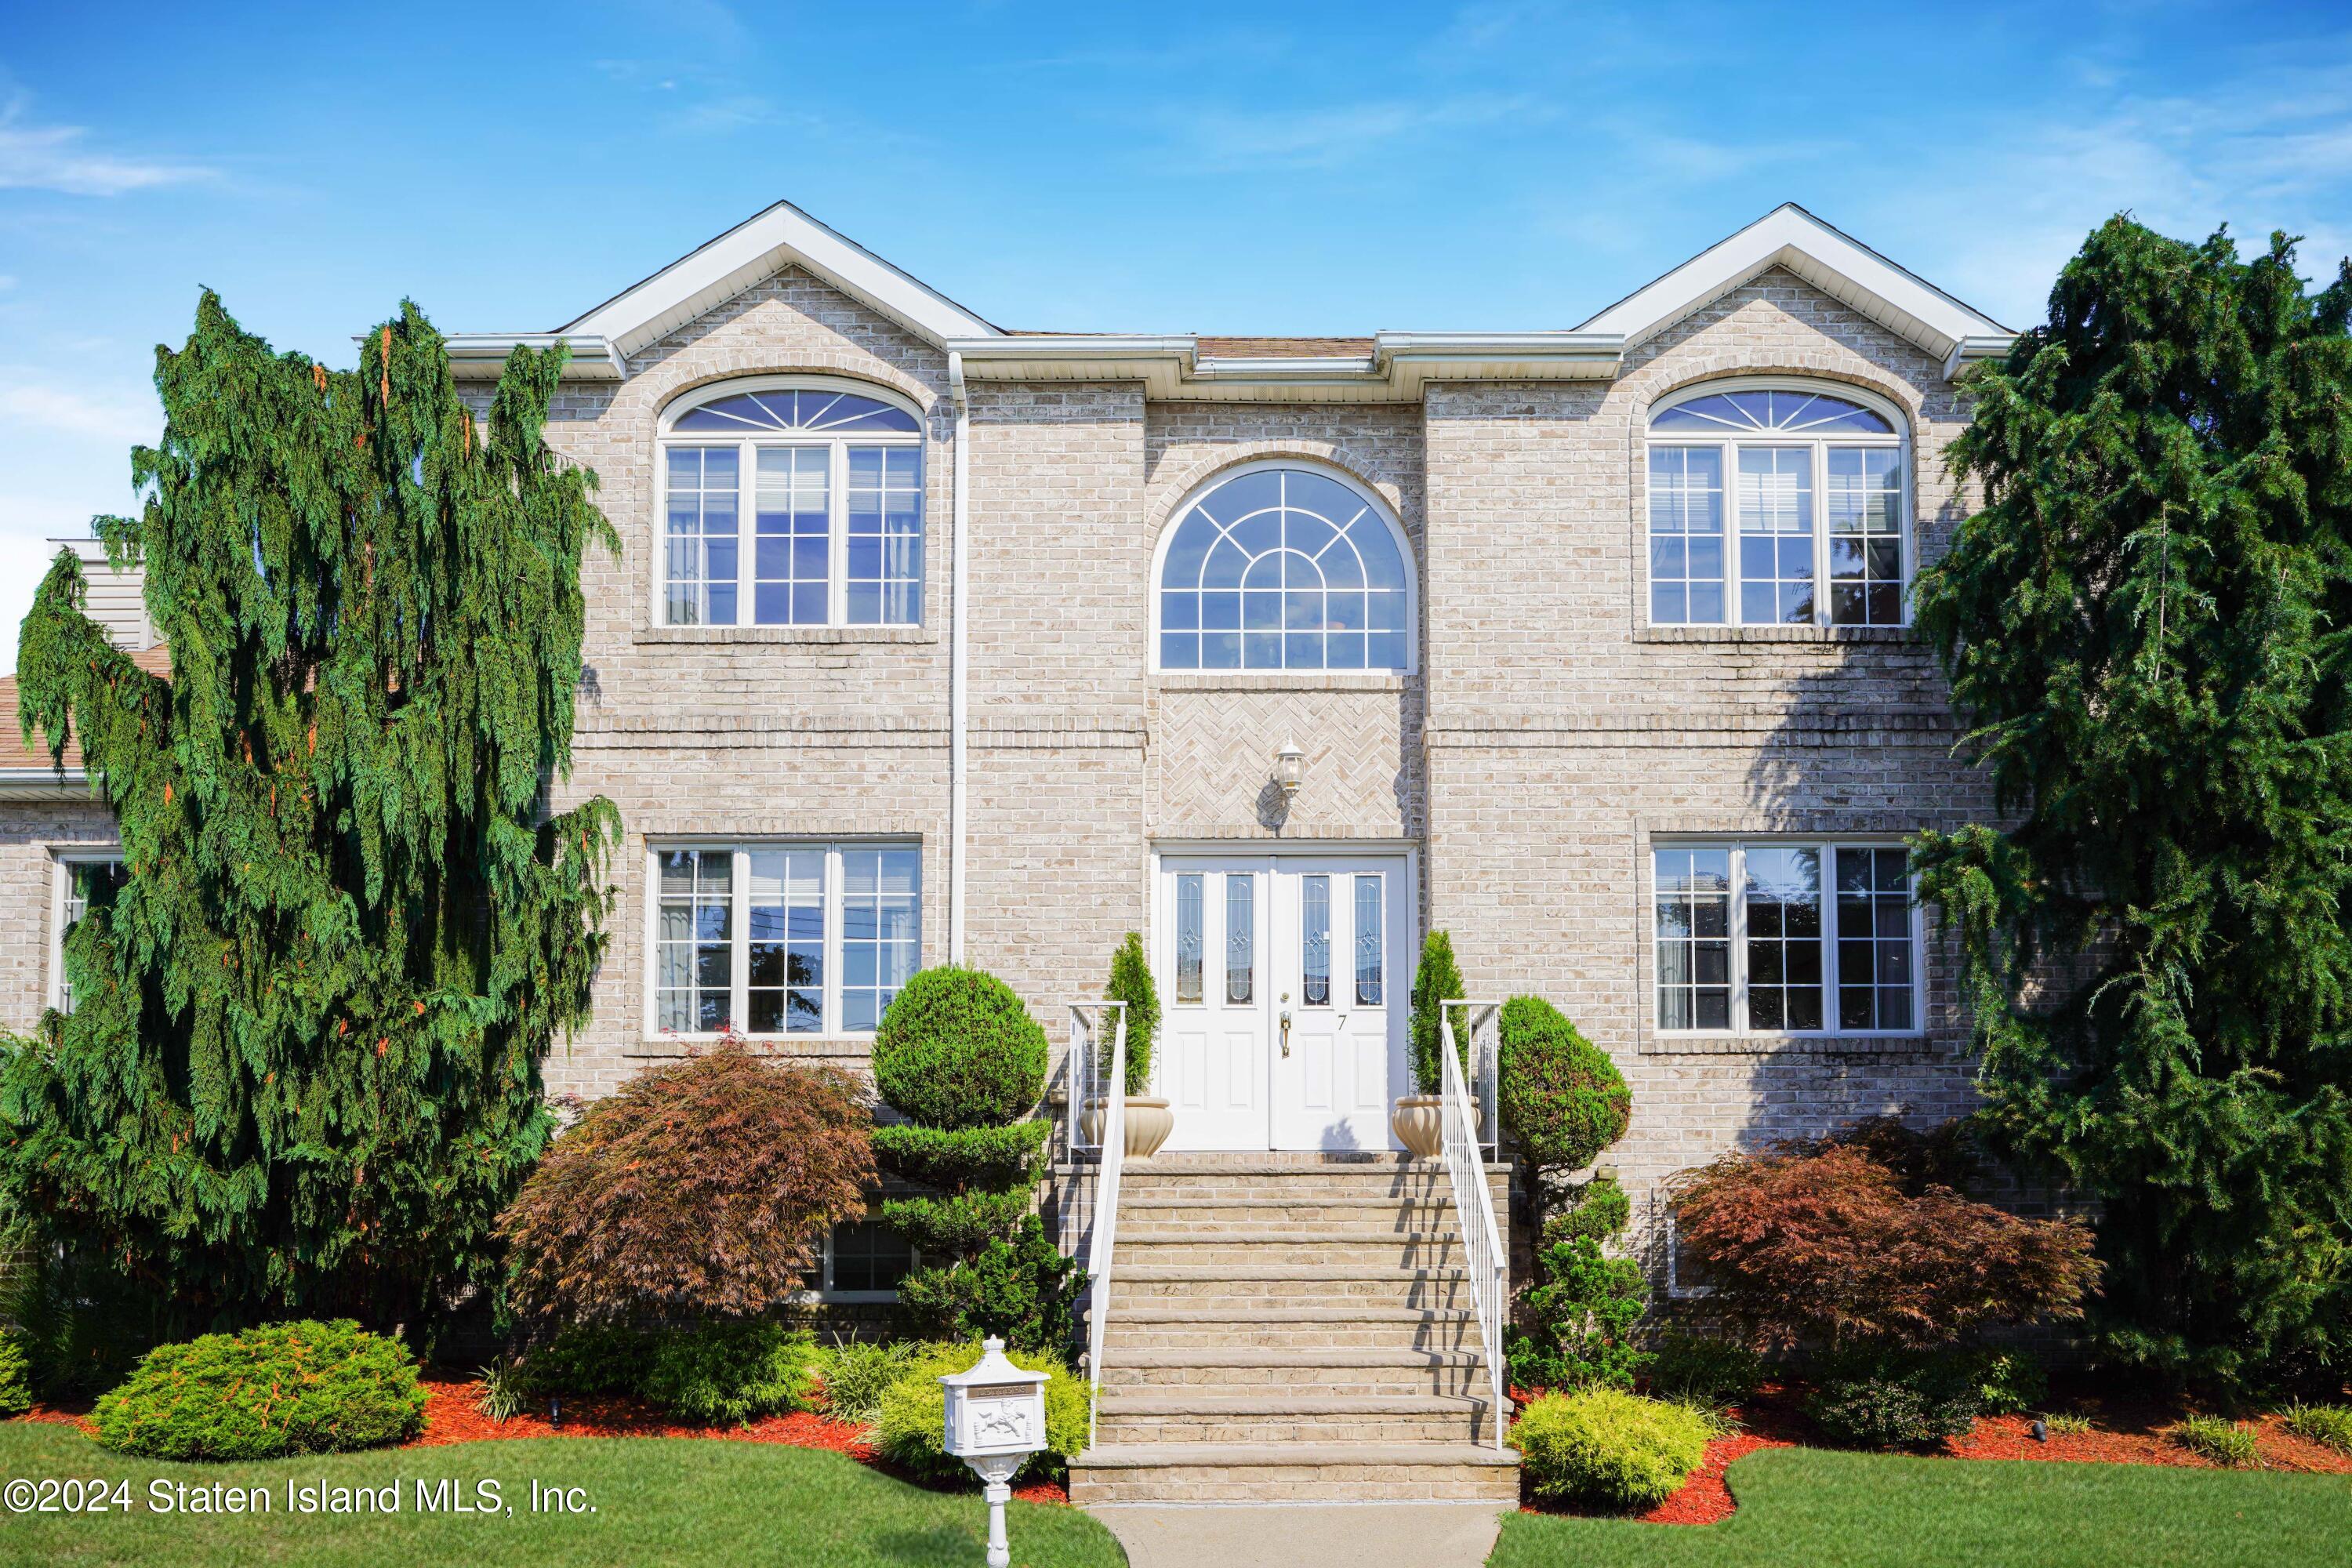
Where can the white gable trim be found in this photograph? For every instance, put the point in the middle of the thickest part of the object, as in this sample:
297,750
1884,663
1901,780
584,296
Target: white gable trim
755,250
1840,266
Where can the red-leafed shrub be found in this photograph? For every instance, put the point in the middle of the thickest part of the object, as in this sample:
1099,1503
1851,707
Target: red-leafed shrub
702,1188
1823,1244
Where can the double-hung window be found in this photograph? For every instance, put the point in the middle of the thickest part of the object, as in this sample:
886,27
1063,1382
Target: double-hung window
1776,506
781,938
798,505
81,881
1784,937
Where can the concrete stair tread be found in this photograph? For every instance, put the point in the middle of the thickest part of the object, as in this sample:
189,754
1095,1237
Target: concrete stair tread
1196,1313
1319,1356
1190,1200
1173,1273
1145,1235
1154,1456
1170,1402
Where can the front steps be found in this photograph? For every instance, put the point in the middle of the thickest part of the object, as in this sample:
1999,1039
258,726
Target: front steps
1292,1329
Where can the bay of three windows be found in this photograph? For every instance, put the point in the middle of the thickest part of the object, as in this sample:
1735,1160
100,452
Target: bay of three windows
792,507
1777,936
1775,507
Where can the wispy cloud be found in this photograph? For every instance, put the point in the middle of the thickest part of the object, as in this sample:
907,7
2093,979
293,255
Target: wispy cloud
32,401
1342,133
38,157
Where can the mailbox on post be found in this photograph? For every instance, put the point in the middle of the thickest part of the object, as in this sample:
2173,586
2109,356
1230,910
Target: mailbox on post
995,1420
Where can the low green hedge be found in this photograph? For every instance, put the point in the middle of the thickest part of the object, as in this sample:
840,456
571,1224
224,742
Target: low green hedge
286,1388
16,1373
1607,1447
908,1426
725,1373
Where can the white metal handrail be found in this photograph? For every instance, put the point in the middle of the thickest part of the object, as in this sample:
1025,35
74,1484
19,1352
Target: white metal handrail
1473,1204
1102,1228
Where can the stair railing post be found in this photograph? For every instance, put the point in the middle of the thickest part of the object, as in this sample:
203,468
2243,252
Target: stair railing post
1473,1204
1104,1229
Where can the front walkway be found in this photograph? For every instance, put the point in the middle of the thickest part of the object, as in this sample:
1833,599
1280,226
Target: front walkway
1291,1535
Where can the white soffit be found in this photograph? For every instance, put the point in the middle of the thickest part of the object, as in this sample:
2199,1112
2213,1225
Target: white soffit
1399,366
1790,236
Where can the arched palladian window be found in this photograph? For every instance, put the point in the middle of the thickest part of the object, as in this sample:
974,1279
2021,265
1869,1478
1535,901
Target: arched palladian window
1281,566
1759,496
792,503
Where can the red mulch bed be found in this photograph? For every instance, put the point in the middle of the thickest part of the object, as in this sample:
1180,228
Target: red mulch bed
451,1416
2125,1432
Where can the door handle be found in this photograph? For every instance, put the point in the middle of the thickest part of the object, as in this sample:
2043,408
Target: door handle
1285,1032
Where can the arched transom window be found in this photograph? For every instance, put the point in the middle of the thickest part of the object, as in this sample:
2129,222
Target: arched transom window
1278,566
791,505
1762,497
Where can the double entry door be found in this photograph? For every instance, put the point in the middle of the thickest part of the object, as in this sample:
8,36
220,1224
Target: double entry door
1282,982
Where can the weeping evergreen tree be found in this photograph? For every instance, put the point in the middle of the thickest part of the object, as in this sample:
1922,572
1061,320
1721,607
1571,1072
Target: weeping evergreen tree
2148,630
303,1068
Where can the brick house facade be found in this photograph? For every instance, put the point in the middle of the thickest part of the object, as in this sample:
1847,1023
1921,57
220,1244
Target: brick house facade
1549,735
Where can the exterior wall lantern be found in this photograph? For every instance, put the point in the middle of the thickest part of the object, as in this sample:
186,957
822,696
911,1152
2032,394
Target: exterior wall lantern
1289,769
995,1420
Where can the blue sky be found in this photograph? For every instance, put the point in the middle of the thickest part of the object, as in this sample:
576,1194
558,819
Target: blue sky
1259,168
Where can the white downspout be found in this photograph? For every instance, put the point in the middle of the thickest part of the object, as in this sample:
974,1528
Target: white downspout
959,671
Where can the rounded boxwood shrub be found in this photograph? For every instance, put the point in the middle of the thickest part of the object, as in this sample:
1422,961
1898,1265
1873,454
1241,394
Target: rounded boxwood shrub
909,1427
1562,1098
286,1388
957,1049
724,1374
1607,1447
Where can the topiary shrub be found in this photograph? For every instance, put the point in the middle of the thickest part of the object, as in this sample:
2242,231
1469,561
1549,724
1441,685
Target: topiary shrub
287,1388
961,1226
912,1414
1584,1308
1131,981
1704,1367
1604,1446
16,1373
994,1159
1020,1288
726,1372
1562,1098
1436,980
957,1049
703,1187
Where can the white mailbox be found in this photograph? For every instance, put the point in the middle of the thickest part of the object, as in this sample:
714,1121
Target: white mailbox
995,1420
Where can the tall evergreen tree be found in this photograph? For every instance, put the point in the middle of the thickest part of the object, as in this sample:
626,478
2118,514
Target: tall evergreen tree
303,1069
2148,630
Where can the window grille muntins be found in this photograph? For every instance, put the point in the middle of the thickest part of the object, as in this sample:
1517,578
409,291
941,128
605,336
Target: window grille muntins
1281,566
1784,937
1778,506
780,939
791,505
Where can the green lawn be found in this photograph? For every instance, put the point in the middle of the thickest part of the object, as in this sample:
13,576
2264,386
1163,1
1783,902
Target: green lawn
673,1501
1810,1509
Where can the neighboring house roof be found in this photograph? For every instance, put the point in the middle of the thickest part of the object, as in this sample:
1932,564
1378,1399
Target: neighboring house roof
27,767
1388,366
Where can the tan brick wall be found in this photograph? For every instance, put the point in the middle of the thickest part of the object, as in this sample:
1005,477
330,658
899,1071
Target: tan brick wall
33,834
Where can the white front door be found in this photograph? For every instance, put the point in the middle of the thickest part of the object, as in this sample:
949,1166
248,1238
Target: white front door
1284,1018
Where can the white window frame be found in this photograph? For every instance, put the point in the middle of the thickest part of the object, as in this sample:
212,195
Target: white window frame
837,445
739,924
1364,492
1739,844
62,862
1676,1289
825,1290
1727,444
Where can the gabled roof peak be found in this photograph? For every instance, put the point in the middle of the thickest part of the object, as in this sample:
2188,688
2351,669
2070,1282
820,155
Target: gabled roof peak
1825,257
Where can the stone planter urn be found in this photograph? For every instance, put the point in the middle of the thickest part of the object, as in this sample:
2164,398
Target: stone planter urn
1419,1122
1149,1122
